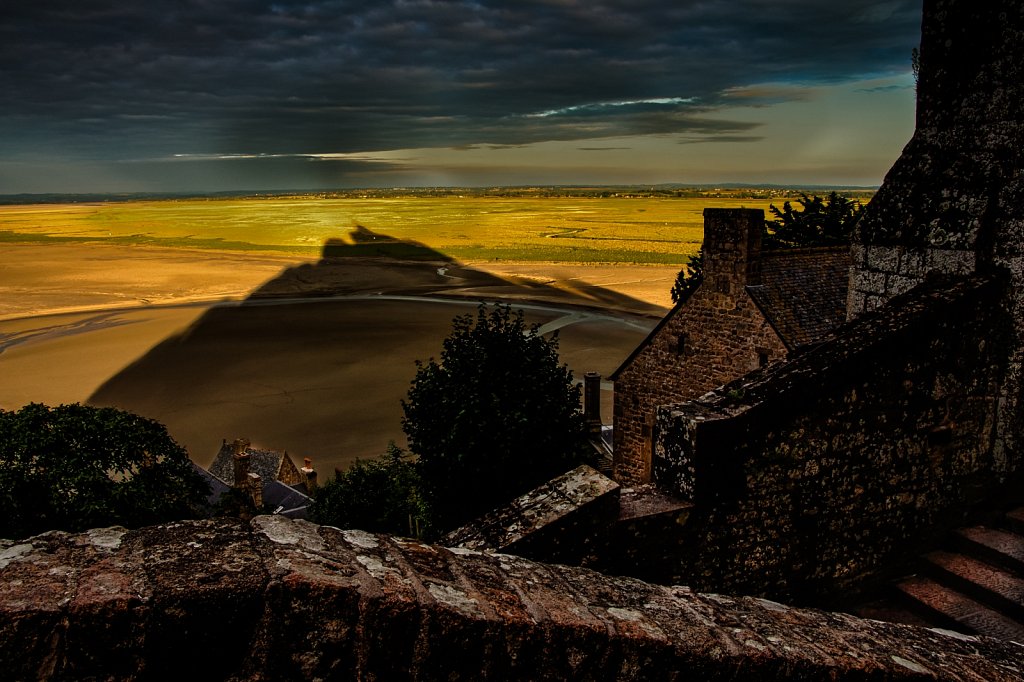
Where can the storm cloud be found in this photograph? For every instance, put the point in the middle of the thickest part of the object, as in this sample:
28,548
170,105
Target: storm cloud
101,78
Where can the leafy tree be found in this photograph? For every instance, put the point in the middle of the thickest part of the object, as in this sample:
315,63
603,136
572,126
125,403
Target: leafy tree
689,278
377,495
821,221
74,467
497,416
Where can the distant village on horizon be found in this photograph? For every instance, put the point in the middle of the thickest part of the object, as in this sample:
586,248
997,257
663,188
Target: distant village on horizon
669,190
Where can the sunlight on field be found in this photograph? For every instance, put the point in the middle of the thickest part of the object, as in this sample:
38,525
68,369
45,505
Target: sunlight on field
575,230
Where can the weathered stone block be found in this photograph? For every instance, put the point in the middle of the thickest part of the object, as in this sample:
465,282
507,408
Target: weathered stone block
883,258
325,609
562,520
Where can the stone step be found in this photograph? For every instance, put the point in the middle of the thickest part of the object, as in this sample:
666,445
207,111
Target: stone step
953,610
892,610
993,586
992,545
1014,520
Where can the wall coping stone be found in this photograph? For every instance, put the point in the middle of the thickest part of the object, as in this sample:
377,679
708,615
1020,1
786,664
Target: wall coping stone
284,599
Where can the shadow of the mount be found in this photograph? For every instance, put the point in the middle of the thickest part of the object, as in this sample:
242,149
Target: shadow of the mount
316,359
366,243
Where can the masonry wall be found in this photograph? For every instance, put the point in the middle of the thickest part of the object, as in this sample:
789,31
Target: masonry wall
954,200
808,477
714,336
286,600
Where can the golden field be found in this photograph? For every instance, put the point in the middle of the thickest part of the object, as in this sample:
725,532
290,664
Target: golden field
222,318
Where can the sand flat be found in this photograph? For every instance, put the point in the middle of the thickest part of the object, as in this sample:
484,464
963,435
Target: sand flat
146,329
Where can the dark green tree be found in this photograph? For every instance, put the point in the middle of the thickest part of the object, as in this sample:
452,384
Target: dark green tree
820,221
497,416
689,278
74,467
376,495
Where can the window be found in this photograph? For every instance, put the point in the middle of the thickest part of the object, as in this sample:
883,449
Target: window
762,358
682,341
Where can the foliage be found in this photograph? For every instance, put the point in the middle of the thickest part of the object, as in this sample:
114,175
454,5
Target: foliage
689,278
376,495
819,222
497,416
74,467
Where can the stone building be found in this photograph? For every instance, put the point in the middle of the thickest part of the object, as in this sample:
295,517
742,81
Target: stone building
816,476
755,306
800,479
268,476
269,465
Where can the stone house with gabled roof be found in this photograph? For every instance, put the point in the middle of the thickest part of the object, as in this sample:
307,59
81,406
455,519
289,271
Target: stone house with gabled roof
753,307
270,465
271,477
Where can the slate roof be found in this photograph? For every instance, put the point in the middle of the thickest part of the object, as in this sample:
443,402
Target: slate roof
266,463
217,486
283,499
286,500
802,292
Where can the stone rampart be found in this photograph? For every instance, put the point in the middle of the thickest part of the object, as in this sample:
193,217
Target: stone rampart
953,202
287,600
808,476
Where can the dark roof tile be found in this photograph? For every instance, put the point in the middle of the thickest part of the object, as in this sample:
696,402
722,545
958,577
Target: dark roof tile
803,292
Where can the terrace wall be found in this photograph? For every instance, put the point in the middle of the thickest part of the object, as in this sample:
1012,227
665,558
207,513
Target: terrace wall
808,477
286,600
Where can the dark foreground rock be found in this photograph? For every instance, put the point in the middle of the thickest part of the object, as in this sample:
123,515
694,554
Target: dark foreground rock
279,599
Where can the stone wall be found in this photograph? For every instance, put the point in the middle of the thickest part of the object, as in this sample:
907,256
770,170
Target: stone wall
954,201
287,600
809,476
714,336
565,520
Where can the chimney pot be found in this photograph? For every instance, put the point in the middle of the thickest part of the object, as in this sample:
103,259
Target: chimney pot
732,247
255,486
241,460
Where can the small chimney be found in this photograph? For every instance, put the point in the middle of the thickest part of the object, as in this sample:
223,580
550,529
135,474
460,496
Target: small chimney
241,459
310,474
592,401
732,248
255,489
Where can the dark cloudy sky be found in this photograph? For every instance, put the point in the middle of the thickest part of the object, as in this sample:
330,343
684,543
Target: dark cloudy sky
184,95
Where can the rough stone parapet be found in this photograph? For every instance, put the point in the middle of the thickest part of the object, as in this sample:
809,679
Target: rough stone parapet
287,600
562,520
809,476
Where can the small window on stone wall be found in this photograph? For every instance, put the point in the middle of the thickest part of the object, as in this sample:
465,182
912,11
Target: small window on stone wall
762,358
682,343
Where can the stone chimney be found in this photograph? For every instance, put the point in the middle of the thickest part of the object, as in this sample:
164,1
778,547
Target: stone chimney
310,473
240,459
255,489
592,402
732,246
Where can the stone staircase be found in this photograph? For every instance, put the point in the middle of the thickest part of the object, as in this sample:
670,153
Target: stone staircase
975,584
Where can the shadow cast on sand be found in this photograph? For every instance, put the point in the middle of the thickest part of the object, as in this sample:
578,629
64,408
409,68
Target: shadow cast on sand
316,359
